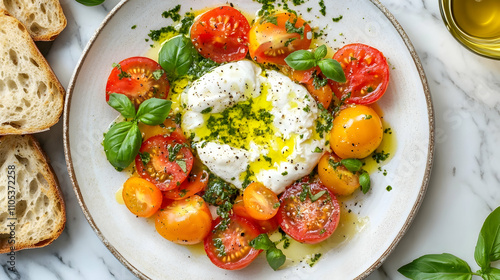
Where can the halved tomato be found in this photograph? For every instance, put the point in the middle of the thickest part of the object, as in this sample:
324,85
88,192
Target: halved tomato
265,226
221,34
260,202
273,37
196,182
312,79
367,74
229,248
335,176
309,212
186,221
141,197
164,161
168,128
139,78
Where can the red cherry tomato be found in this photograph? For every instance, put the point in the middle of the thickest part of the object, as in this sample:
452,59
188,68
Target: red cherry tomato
221,34
139,78
165,162
230,248
274,37
322,94
196,182
309,212
367,74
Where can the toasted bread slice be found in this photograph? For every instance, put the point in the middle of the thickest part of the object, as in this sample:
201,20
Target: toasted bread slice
44,19
30,198
31,97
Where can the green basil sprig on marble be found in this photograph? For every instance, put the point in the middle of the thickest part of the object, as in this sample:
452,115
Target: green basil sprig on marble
304,60
123,140
90,2
449,267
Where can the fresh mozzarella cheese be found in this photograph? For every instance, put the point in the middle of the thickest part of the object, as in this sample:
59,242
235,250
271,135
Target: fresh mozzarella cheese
250,125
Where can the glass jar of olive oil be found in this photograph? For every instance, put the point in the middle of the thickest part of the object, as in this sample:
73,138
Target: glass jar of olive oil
475,24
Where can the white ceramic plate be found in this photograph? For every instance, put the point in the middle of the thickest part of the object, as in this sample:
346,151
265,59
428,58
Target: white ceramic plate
407,106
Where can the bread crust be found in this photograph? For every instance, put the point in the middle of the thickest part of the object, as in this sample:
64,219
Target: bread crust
51,82
45,10
13,144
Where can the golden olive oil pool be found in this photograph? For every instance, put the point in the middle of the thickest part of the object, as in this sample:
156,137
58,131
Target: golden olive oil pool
477,18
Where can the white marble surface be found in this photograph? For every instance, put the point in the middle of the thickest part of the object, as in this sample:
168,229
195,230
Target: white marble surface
464,186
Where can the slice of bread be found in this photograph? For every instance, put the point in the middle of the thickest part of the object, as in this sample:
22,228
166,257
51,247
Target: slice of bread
44,19
31,97
30,197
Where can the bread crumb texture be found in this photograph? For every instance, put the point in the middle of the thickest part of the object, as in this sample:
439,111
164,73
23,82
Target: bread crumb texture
39,206
31,95
44,19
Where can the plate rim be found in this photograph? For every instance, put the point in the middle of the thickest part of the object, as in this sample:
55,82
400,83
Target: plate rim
423,188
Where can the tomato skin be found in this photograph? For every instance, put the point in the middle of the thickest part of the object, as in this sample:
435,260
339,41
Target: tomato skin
134,78
367,74
186,221
236,238
271,43
338,179
323,95
141,197
357,131
221,34
307,221
265,226
169,128
162,172
196,182
260,202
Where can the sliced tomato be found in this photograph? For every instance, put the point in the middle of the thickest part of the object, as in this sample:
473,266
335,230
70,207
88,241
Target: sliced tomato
335,176
230,248
265,226
309,212
260,202
186,221
141,197
196,182
322,93
168,128
272,38
367,74
221,34
164,161
139,78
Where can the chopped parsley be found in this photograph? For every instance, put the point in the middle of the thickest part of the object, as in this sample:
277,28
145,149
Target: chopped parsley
206,110
290,28
389,188
158,73
337,19
318,81
284,173
173,151
133,26
122,74
173,13
145,158
219,247
321,4
325,121
380,156
367,117
314,259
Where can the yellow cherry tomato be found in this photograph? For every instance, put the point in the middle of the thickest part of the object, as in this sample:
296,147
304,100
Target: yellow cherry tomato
357,131
186,221
141,197
260,202
335,176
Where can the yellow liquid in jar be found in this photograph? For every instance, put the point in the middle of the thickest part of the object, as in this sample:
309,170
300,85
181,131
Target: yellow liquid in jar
477,18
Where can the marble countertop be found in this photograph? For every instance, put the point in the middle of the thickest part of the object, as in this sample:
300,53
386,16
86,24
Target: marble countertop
464,186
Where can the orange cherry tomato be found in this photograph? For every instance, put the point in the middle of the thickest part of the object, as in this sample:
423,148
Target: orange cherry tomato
335,176
186,221
322,94
265,226
168,128
357,131
272,38
260,202
141,197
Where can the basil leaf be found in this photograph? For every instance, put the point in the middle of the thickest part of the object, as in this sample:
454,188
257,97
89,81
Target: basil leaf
153,111
262,242
352,164
488,244
491,274
182,165
316,196
122,104
438,267
275,258
122,143
176,56
90,2
332,70
301,60
364,181
320,52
